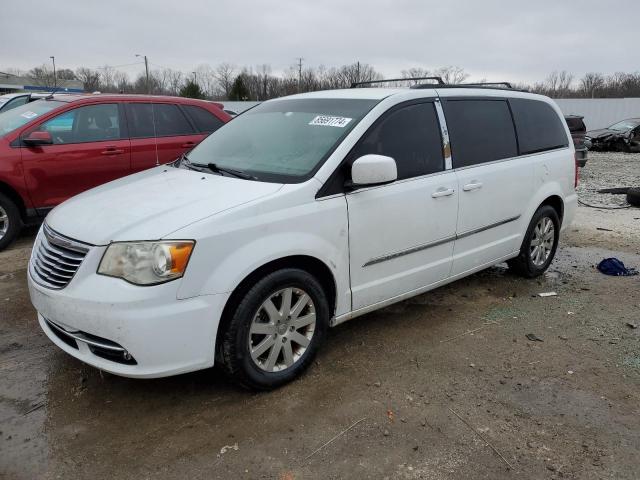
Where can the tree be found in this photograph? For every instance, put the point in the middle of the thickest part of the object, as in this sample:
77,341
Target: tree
451,75
90,79
590,83
192,90
65,74
239,90
225,75
42,76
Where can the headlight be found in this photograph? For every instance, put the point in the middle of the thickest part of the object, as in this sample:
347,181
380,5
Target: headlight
146,263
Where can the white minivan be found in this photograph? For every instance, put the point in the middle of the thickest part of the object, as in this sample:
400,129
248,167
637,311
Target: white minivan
298,215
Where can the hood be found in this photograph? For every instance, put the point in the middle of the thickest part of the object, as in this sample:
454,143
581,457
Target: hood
602,133
151,204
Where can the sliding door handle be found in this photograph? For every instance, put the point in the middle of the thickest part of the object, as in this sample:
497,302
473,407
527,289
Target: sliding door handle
472,186
443,192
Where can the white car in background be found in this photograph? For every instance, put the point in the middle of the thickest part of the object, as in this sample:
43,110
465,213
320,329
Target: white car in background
300,214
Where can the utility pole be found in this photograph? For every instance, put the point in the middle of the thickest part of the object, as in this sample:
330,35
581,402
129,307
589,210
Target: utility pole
195,77
55,81
146,68
300,74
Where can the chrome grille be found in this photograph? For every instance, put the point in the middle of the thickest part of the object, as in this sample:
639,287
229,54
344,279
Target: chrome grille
56,258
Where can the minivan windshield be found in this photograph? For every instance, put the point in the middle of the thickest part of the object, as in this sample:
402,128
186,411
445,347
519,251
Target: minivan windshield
19,116
283,140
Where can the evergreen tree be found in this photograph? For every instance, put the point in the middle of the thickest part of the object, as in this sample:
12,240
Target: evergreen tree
191,90
239,90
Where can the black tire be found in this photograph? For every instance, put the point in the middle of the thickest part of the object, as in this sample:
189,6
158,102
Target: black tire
633,197
523,264
11,225
621,146
235,351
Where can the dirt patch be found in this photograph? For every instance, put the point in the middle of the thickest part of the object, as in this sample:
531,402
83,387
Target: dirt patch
563,407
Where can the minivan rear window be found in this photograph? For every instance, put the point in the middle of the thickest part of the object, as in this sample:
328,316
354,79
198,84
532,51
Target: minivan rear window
538,125
480,131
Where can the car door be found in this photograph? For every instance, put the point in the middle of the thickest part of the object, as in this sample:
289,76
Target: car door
495,185
160,133
401,235
90,147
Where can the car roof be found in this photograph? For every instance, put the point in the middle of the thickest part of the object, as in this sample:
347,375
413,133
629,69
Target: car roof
14,95
90,97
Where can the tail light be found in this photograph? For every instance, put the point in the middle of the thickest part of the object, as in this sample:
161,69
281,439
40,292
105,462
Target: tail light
575,160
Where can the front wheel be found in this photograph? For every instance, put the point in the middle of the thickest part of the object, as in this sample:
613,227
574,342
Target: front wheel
10,222
539,244
276,329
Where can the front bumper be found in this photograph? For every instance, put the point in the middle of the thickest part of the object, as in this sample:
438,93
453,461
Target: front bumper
163,335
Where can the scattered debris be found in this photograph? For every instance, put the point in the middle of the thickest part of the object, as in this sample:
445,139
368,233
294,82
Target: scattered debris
35,407
632,325
570,372
335,438
533,337
224,449
548,294
614,267
468,332
482,437
604,229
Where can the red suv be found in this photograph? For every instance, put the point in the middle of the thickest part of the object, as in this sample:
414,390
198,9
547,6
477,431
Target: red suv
55,148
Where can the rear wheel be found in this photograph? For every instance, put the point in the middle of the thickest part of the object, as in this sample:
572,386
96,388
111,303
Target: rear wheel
276,330
10,223
539,244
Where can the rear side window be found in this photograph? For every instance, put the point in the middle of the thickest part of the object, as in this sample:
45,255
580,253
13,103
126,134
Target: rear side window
169,120
538,125
204,120
411,136
480,131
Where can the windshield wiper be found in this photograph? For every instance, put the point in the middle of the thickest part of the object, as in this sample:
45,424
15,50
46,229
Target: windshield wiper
184,160
230,171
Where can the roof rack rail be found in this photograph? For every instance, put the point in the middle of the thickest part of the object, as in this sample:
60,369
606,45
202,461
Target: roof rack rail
371,82
488,84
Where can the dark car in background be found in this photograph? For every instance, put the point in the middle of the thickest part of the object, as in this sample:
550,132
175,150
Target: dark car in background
54,148
578,133
623,136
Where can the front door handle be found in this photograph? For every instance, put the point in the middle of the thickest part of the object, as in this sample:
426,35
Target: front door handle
443,192
472,186
189,144
112,151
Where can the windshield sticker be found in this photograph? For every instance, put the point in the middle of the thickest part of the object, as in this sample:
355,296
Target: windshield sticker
328,121
29,115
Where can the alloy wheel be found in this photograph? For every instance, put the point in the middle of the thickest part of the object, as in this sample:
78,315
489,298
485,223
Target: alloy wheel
4,222
282,329
542,242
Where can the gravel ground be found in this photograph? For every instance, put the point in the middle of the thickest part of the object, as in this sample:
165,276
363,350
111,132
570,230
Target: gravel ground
443,386
608,170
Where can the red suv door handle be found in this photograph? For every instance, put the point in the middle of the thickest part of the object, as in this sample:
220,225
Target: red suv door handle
189,144
112,151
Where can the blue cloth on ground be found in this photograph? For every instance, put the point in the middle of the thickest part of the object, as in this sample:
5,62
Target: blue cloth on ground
613,266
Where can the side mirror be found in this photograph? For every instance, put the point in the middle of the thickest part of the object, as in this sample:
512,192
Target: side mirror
38,138
373,170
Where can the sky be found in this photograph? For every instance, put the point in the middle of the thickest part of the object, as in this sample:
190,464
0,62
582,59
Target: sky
519,41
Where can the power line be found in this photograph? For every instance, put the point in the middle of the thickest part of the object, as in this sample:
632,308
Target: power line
104,67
